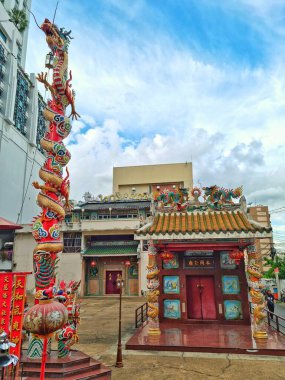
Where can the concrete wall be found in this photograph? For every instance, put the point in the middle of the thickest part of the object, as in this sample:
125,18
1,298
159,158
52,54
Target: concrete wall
261,215
69,266
24,245
141,177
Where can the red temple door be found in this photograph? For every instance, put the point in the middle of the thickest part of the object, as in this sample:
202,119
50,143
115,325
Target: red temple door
201,302
111,281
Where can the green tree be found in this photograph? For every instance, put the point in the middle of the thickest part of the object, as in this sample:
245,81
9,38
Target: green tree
19,18
278,262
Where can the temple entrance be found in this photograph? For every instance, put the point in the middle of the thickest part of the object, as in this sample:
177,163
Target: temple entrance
111,281
201,302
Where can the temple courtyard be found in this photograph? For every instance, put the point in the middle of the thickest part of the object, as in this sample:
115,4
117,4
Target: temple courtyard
98,338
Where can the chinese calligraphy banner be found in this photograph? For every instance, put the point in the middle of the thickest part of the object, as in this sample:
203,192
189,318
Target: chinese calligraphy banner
18,313
199,262
6,285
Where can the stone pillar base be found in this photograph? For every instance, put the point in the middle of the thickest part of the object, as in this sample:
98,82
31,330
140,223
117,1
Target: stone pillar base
36,347
260,335
154,331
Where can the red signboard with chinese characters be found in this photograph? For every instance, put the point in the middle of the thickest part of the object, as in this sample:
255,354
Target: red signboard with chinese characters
19,294
199,262
6,285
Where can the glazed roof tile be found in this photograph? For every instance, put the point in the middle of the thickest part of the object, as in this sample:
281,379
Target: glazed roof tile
218,222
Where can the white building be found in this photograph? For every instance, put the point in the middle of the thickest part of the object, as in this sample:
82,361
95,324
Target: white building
21,125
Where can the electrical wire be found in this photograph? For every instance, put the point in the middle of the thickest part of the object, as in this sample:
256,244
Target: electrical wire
28,184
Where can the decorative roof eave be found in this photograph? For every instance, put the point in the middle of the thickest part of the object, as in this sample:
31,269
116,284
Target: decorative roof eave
6,224
204,236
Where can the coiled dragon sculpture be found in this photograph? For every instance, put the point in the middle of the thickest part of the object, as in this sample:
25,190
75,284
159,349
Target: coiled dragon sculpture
54,194
153,292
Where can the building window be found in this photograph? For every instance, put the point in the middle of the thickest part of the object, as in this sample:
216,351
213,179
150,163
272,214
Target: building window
2,70
3,36
21,103
41,127
19,52
72,242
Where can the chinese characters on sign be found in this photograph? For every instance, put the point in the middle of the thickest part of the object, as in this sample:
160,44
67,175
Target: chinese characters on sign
6,284
17,313
199,262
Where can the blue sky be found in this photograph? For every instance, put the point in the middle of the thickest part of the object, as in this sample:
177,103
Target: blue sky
161,81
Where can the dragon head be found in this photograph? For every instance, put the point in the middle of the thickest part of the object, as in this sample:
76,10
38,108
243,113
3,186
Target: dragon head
57,39
210,189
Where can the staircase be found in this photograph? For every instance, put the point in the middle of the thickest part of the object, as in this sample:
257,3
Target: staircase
76,367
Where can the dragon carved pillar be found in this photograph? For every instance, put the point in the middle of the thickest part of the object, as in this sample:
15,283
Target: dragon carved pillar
153,292
54,193
254,275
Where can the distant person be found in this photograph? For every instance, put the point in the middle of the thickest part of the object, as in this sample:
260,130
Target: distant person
270,303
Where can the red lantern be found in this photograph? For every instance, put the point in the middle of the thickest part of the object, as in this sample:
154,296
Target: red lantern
237,256
166,256
93,263
45,318
127,263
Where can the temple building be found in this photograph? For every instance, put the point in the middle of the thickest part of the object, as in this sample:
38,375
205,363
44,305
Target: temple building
203,263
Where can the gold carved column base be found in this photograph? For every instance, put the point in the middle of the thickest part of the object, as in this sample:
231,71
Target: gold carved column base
260,335
154,331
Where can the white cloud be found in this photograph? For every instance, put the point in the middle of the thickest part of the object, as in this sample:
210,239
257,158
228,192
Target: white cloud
172,106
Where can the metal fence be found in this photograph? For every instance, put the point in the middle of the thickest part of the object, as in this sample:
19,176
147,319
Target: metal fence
141,315
273,320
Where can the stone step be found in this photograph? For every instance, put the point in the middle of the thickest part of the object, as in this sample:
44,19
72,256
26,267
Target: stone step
101,374
78,366
63,372
57,363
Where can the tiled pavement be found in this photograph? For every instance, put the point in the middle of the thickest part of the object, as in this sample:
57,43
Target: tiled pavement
98,338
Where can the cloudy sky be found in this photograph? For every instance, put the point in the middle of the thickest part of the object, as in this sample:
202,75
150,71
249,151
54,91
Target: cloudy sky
161,81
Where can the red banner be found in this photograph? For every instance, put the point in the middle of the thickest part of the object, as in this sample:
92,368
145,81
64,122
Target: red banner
19,295
6,285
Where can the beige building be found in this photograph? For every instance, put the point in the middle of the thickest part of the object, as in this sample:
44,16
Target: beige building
145,179
99,235
260,214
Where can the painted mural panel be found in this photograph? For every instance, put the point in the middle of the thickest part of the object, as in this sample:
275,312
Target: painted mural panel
171,264
233,310
172,309
231,285
171,285
227,262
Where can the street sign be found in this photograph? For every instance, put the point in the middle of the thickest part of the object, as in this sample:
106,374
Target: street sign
276,270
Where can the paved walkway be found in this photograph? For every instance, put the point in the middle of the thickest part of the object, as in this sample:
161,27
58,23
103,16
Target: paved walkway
98,338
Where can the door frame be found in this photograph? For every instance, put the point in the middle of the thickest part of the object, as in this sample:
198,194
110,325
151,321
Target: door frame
105,280
201,320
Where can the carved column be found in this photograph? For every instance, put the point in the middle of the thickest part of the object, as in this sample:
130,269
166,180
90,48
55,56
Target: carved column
254,276
153,292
